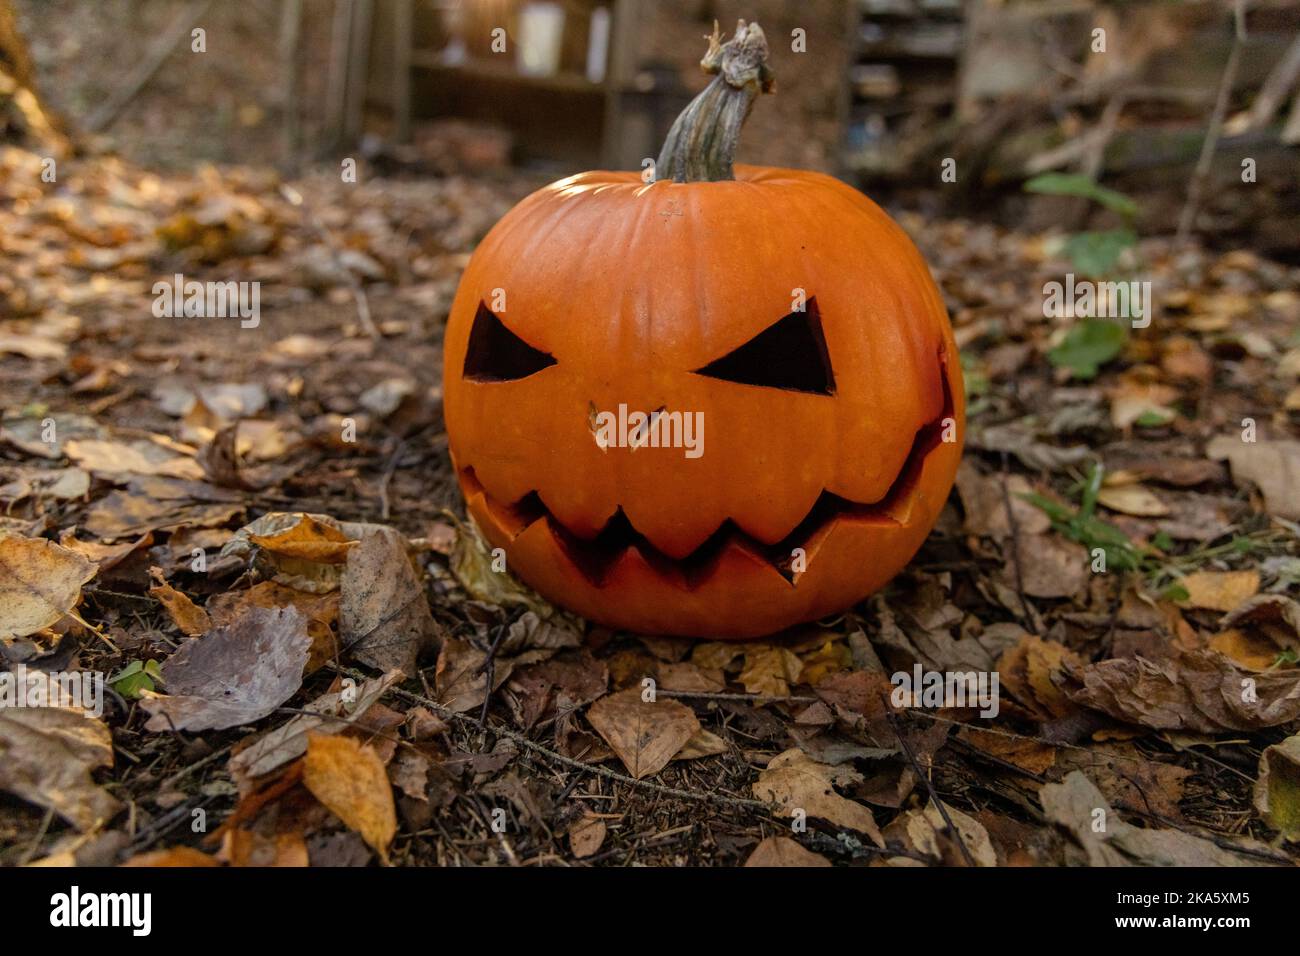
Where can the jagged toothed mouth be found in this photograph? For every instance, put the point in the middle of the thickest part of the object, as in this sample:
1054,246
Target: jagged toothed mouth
594,557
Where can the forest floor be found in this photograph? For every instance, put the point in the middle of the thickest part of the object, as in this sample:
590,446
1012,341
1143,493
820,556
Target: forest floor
256,712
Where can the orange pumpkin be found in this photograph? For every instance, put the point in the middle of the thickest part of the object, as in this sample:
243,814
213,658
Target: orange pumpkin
782,312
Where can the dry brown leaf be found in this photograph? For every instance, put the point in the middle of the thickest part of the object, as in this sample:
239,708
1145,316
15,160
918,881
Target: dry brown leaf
1191,689
645,736
927,832
137,457
40,582
185,614
1277,791
1050,566
1077,805
793,781
770,670
349,779
1133,500
321,611
1272,465
586,834
704,744
782,851
460,678
46,757
330,713
105,555
185,856
384,616
307,539
1250,650
250,848
1029,671
234,675
1023,752
1219,590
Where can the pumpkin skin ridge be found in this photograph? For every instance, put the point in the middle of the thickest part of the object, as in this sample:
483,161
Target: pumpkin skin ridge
697,566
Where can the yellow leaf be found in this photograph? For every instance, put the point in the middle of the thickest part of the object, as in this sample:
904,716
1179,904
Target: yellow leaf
40,582
349,779
1219,590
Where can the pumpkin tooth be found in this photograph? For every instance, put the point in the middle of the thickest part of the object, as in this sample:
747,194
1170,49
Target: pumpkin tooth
596,558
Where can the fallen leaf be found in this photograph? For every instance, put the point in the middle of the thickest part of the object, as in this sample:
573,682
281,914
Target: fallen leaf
136,457
46,757
1077,805
105,555
307,538
185,614
251,848
1272,465
40,582
927,832
645,736
330,713
472,564
1197,689
792,782
1277,790
384,616
174,856
460,677
1133,500
349,779
782,851
236,674
586,834
770,670
1219,590
321,611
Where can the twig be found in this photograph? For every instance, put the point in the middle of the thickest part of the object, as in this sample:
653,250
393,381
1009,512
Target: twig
489,665
1014,526
738,698
387,478
925,778
184,772
1206,160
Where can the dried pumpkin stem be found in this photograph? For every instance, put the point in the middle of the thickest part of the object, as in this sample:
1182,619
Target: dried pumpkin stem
701,146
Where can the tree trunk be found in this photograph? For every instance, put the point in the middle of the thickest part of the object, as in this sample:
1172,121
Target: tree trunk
23,117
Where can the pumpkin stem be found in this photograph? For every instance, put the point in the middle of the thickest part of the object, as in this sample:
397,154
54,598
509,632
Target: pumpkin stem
701,145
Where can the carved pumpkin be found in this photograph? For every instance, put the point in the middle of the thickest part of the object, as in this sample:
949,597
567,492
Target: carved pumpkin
782,309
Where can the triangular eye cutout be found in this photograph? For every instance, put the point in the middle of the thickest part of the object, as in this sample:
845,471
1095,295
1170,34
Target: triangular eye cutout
495,354
790,354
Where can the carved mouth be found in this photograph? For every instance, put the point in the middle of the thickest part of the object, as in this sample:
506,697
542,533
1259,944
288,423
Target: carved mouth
594,557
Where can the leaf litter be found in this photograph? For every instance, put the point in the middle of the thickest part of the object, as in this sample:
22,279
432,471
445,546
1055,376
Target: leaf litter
345,678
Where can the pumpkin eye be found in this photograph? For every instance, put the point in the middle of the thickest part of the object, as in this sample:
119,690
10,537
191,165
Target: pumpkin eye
790,354
495,354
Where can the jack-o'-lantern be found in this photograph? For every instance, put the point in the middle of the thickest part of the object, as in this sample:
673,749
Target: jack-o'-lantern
719,403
